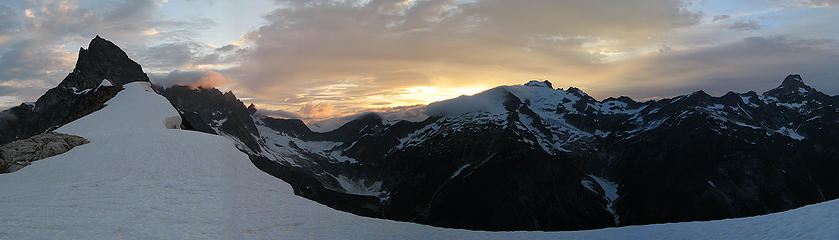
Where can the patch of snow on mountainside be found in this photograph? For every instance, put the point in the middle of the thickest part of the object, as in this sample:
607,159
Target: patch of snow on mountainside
618,107
610,190
361,187
104,83
282,147
789,133
457,172
449,125
748,100
139,180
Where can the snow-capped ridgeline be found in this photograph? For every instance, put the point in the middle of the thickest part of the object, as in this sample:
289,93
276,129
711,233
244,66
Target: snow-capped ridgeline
560,111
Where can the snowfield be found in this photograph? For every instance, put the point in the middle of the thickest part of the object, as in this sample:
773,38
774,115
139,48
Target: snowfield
140,180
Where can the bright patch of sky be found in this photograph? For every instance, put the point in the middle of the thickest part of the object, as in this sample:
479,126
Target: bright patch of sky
231,18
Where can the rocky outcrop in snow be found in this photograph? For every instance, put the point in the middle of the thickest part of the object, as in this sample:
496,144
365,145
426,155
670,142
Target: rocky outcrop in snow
21,153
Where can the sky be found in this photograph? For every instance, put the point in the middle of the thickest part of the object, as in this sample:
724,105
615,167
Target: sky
330,59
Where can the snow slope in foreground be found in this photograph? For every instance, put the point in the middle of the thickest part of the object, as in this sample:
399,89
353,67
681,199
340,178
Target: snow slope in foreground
138,180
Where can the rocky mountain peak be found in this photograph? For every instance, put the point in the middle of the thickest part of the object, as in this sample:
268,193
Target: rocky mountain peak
793,80
792,88
252,109
576,91
103,60
536,83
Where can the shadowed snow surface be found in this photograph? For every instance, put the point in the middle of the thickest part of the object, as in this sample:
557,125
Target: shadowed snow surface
139,180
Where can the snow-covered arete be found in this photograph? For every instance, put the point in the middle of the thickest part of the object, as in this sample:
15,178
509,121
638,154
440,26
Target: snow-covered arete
140,180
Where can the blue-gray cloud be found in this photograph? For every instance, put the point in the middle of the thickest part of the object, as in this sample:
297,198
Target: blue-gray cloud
10,20
745,25
754,63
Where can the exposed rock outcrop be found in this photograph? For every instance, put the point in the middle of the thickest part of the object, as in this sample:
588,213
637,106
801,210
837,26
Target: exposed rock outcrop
21,153
83,91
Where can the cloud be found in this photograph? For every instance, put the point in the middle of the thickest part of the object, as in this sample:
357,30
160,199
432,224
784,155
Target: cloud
352,53
203,78
168,55
226,48
325,58
720,17
744,25
753,63
10,20
279,114
328,122
315,110
29,60
413,113
39,38
185,54
308,112
819,3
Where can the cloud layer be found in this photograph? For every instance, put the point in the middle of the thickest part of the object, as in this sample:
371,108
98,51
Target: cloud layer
353,53
201,78
320,59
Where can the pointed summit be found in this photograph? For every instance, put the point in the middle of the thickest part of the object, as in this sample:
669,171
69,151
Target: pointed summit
793,80
252,109
792,84
793,89
103,60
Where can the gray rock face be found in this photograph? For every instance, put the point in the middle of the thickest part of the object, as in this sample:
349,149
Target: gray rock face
103,60
77,95
21,153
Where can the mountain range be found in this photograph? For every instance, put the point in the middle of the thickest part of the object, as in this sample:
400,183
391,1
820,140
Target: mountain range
520,157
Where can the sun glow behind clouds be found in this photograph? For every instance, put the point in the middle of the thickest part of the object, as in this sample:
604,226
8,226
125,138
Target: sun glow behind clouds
429,94
389,100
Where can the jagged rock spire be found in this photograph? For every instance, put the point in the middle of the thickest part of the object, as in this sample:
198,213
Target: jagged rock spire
103,60
252,109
